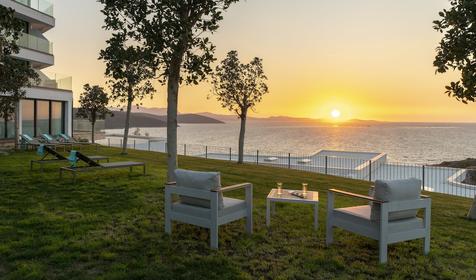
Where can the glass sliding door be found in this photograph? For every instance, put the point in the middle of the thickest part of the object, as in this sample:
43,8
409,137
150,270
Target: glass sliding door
57,119
11,129
28,117
3,127
42,117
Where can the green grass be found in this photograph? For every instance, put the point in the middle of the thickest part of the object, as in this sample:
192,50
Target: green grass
110,225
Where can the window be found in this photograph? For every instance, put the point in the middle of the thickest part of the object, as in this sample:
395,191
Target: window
42,116
57,120
28,117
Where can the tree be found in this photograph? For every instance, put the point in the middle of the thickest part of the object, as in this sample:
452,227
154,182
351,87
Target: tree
177,34
129,69
15,74
457,48
93,105
239,87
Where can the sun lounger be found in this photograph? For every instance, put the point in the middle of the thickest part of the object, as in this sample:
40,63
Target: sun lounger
75,156
45,151
70,140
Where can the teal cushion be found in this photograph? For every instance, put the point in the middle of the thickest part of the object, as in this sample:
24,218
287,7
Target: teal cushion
41,150
48,137
73,158
27,137
198,180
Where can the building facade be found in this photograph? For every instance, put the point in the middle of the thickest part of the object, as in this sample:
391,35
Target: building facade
47,107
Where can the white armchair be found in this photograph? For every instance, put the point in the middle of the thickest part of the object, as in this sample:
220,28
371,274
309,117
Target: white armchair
390,217
201,203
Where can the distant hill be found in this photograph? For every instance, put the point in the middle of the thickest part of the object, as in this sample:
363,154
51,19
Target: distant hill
151,120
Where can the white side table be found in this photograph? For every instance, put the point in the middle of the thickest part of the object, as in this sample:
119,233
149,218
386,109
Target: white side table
273,197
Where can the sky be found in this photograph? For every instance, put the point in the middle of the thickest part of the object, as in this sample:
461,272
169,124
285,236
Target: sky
368,59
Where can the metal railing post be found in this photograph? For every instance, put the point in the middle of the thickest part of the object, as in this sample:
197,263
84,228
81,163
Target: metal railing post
184,149
325,166
423,178
121,143
230,154
134,144
109,142
148,145
206,151
370,170
257,157
289,161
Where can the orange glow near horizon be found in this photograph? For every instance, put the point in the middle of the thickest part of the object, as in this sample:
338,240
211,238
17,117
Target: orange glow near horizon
371,60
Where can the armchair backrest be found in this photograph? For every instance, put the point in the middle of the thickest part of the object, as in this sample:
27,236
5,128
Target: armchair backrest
200,181
394,191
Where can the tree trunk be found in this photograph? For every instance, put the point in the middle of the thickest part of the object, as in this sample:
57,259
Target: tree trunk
93,132
126,127
241,141
17,125
172,105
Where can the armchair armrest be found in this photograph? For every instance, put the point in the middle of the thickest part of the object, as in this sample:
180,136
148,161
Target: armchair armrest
365,197
233,187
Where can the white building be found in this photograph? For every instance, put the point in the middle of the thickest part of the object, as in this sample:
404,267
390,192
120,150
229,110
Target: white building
47,108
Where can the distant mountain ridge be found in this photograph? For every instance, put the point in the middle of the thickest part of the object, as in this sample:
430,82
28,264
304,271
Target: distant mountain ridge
141,119
207,117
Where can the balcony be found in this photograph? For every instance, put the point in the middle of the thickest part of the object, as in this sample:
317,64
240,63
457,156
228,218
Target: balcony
42,6
35,43
55,81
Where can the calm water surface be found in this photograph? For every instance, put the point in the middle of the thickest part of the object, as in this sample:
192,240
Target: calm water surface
415,143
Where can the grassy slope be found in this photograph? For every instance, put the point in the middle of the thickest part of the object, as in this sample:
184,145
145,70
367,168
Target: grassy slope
110,226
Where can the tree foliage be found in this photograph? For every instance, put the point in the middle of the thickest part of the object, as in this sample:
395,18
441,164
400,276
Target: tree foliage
237,86
176,32
93,105
457,48
15,74
130,69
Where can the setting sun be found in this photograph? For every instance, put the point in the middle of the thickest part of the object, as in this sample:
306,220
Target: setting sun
335,114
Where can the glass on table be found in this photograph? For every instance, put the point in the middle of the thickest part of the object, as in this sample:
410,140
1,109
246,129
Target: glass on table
280,188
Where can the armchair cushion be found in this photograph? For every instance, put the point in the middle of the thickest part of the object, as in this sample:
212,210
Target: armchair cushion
396,190
231,205
361,215
198,180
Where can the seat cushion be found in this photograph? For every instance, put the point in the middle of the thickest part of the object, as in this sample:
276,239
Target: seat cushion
198,180
396,190
362,215
230,205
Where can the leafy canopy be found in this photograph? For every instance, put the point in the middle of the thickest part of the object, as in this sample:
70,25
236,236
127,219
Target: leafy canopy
457,48
93,104
15,74
237,86
174,31
129,69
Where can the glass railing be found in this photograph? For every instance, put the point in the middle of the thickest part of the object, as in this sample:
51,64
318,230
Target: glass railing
43,6
35,43
55,81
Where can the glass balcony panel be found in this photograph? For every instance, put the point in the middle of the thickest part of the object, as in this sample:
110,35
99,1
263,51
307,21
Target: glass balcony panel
43,6
55,81
35,43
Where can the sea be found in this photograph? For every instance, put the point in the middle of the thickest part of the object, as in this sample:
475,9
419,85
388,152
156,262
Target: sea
422,143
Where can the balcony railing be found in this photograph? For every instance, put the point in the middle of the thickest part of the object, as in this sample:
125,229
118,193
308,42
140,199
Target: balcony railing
36,43
43,6
55,81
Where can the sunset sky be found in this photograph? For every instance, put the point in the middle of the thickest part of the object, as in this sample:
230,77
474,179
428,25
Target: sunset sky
369,59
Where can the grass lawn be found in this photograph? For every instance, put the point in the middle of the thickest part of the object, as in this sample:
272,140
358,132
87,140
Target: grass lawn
110,225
